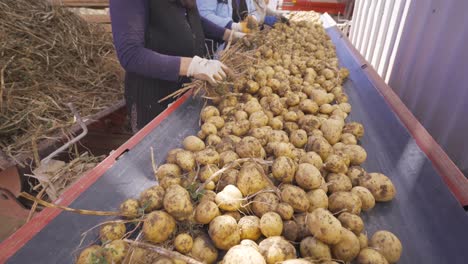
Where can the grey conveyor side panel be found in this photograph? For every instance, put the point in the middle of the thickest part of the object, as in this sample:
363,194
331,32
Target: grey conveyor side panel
431,224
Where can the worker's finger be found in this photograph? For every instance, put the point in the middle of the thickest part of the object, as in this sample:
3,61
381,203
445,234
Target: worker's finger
217,77
227,70
222,73
211,80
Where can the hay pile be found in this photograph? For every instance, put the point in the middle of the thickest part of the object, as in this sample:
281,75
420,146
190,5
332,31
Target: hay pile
49,57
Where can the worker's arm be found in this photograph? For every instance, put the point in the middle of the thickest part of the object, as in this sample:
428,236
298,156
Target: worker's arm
208,10
211,30
129,19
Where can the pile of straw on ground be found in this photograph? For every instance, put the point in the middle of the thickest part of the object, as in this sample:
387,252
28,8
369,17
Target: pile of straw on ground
49,57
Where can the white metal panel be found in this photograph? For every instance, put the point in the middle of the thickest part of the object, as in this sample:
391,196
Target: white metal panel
419,49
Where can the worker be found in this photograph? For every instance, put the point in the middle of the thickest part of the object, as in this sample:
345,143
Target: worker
160,44
230,14
266,15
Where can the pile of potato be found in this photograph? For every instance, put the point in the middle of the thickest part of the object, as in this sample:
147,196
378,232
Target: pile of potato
273,176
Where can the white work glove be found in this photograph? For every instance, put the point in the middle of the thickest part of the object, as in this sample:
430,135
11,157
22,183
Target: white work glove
240,27
207,70
237,35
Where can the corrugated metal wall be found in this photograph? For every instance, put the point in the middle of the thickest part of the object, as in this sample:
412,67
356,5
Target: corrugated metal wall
420,48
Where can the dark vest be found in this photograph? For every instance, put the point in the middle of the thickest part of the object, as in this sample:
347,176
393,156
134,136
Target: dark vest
171,30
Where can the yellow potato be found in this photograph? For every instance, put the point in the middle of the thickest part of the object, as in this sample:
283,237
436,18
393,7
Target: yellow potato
118,250
249,147
112,231
193,143
207,171
367,199
208,112
264,202
308,177
229,199
295,196
351,222
130,208
317,199
158,226
285,210
387,244
299,138
183,243
206,211
271,224
177,202
90,254
242,254
354,128
312,158
336,164
224,232
204,250
152,198
207,156
369,255
249,227
276,249
363,240
227,157
251,179
283,169
354,173
185,160
340,202
314,249
379,185
331,129
348,248
324,226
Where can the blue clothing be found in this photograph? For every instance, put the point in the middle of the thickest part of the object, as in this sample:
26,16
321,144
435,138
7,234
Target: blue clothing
220,11
270,20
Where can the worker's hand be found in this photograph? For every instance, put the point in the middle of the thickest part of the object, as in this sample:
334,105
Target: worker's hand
207,70
237,35
270,20
240,27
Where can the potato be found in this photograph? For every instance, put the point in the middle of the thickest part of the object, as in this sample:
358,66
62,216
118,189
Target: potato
336,163
345,107
227,143
295,196
252,106
340,202
285,210
351,222
235,214
276,249
224,232
354,173
275,123
158,226
249,147
348,248
229,177
312,158
320,146
367,199
241,254
208,112
118,250
319,97
217,121
299,138
314,249
331,130
271,224
241,115
258,119
260,133
308,177
163,260
324,226
90,254
283,169
357,154
379,185
185,160
229,199
193,143
290,127
290,230
348,139
278,136
297,261
363,241
207,156
212,140
317,199
171,156
251,179
227,157
282,149
209,129
338,182
207,171
183,243
387,244
326,109
168,170
130,208
208,196
249,227
303,229
210,186
177,202
112,231
309,123
204,250
206,211
308,106
369,255
264,202
354,128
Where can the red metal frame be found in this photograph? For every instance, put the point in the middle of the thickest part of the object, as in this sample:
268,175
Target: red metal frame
13,243
307,5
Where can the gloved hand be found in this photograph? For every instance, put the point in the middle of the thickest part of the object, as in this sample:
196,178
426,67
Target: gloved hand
237,35
207,70
270,20
240,27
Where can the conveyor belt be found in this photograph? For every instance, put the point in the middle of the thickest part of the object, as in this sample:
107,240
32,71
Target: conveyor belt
425,215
